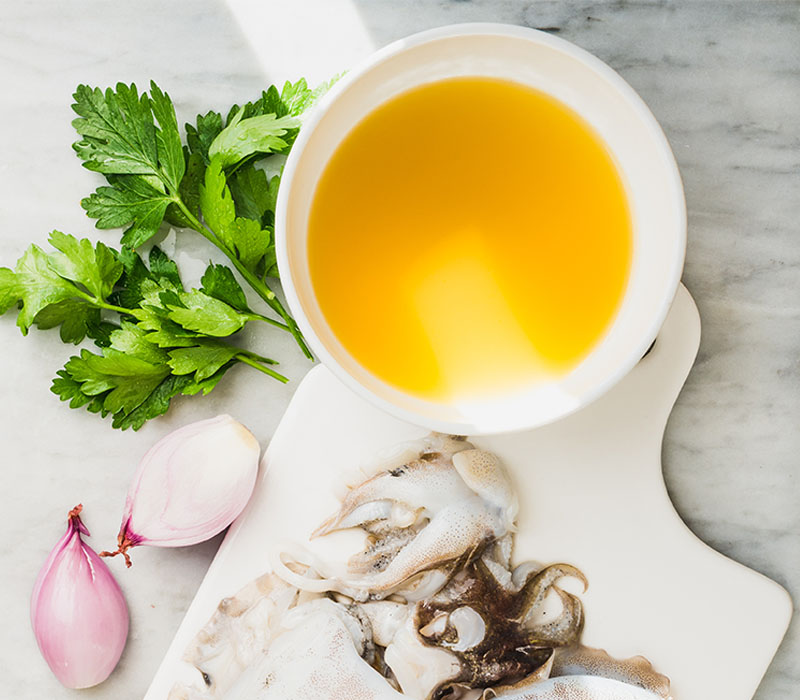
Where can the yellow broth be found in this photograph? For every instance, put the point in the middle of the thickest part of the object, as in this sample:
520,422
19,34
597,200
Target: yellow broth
469,237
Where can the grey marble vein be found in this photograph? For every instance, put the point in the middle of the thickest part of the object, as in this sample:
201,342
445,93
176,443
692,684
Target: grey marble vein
723,78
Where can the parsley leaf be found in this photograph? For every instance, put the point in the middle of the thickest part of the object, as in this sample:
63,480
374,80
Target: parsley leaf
119,136
156,403
95,267
135,342
10,289
296,98
163,269
69,389
204,314
189,192
144,162
252,243
200,136
253,193
76,319
135,276
65,287
292,100
129,201
243,137
36,286
168,138
203,360
217,204
218,282
245,236
125,380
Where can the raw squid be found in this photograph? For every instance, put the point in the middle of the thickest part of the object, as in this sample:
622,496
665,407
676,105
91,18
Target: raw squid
580,688
431,608
579,660
487,626
266,644
421,516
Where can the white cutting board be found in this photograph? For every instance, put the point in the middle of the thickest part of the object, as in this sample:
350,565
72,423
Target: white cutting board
591,494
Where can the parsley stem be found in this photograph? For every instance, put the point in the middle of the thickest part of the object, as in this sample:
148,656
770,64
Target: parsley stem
260,358
267,319
260,287
100,304
111,307
266,370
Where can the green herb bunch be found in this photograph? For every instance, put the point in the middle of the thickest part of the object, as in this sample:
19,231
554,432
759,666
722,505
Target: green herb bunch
156,338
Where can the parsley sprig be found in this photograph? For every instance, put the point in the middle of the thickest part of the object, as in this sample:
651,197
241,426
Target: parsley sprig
211,185
155,339
165,340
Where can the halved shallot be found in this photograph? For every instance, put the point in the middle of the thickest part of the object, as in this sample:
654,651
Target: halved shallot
189,486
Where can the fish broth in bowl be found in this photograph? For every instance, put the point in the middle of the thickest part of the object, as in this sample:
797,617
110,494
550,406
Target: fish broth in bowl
480,229
468,238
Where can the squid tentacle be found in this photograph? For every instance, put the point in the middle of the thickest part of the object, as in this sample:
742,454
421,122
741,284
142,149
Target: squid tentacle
566,628
538,584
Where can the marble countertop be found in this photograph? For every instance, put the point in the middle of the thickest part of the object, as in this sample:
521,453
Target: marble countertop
722,79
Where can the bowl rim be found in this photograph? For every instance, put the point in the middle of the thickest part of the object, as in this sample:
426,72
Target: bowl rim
604,71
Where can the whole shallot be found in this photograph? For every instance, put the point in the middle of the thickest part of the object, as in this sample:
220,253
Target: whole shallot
189,486
78,612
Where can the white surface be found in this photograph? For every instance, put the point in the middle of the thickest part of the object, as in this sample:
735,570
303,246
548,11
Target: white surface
591,494
593,91
722,79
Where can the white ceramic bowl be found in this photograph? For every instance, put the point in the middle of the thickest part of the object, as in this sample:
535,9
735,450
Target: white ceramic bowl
590,88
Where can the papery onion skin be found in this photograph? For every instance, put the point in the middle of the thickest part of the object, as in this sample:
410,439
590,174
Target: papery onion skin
189,486
78,612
